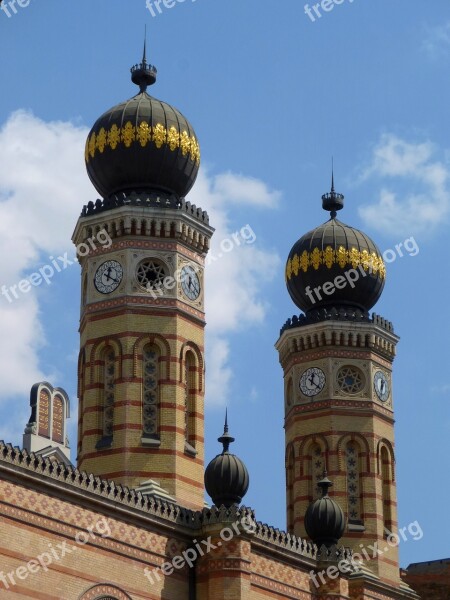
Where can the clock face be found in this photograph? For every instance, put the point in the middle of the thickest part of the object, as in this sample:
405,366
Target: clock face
190,283
381,385
312,381
108,276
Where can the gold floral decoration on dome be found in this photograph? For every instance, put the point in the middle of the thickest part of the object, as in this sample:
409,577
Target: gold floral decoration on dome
113,137
128,134
92,145
288,269
101,140
159,135
354,257
173,138
304,261
316,258
185,143
295,265
375,263
143,134
329,257
365,260
195,150
341,257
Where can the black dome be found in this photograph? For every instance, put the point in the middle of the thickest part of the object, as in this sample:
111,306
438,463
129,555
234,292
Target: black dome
226,476
142,144
330,251
324,518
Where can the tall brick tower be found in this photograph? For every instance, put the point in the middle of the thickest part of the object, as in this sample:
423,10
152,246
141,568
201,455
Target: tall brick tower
337,364
142,249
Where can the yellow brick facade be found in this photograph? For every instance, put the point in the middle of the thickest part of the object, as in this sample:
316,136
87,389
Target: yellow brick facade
330,420
125,321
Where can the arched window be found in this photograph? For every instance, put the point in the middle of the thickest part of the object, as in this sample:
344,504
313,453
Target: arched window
58,420
44,413
386,471
353,469
190,403
317,470
81,377
150,393
50,409
104,591
290,477
108,370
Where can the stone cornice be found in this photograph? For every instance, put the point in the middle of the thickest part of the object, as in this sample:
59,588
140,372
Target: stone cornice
376,336
185,223
368,407
133,303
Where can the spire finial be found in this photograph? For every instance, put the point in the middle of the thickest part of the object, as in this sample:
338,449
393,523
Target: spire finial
332,201
144,56
332,174
144,74
226,439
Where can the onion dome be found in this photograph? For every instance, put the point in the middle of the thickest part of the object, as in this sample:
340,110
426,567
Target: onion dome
226,476
142,145
324,518
335,266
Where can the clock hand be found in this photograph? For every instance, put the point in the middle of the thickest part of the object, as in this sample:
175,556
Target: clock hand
107,273
311,380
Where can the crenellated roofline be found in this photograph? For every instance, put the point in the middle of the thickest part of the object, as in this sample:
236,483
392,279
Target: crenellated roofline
57,479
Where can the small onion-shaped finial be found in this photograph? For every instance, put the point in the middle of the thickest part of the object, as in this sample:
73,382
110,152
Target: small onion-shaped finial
226,476
324,518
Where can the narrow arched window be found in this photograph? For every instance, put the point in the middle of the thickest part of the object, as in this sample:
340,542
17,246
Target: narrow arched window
317,470
58,420
44,413
386,472
81,376
109,371
190,402
150,392
290,477
353,470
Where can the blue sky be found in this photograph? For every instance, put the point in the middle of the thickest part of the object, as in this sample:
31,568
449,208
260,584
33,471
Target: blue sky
272,96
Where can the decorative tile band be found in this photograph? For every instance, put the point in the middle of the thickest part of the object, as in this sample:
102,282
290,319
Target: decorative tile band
329,257
143,134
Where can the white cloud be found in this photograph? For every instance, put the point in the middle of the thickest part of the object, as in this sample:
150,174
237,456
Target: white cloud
240,189
43,185
436,42
414,195
235,280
